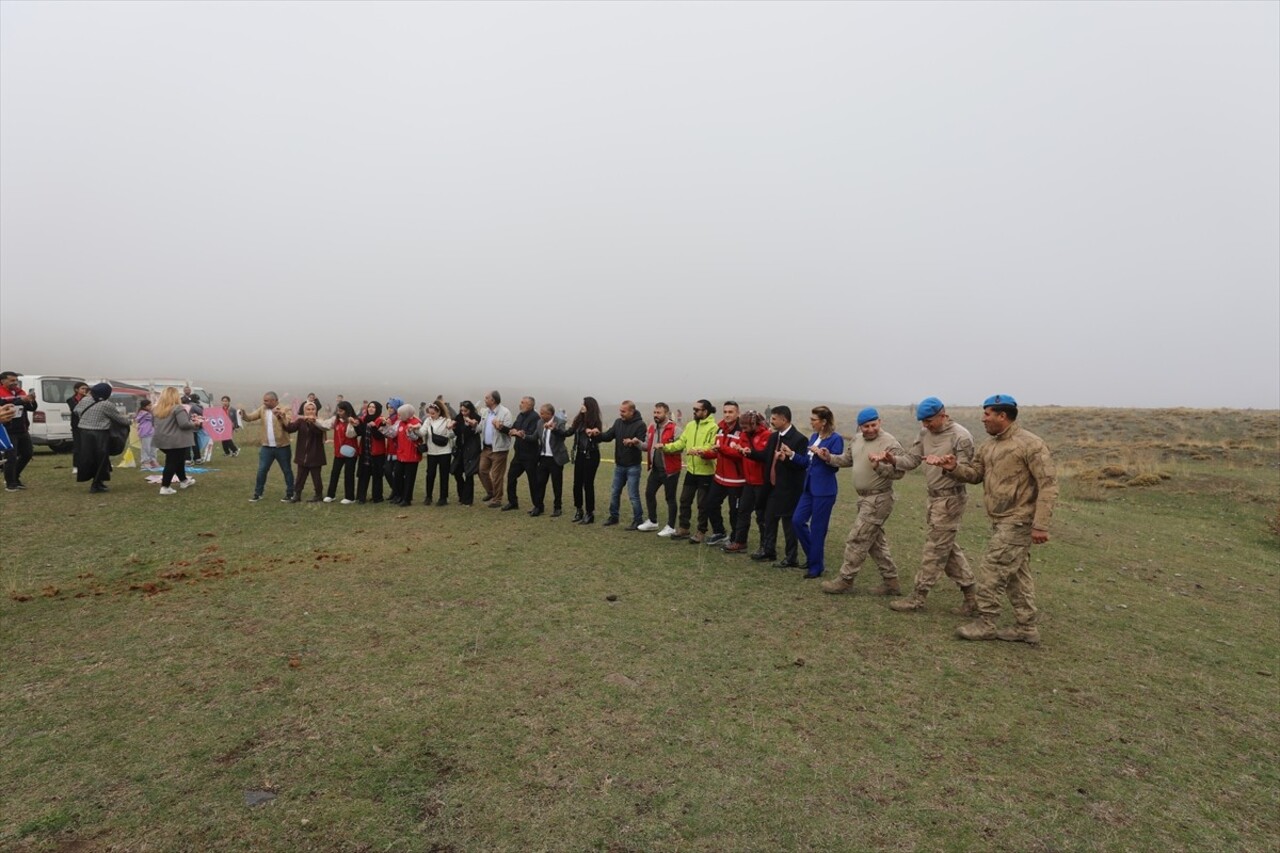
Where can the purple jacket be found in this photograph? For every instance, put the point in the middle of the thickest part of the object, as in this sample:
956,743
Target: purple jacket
146,423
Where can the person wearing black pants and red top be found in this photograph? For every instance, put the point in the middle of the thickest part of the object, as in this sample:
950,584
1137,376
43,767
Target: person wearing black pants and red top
16,458
664,469
755,438
373,453
346,446
405,473
729,479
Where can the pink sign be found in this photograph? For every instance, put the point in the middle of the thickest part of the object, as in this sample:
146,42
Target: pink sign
217,423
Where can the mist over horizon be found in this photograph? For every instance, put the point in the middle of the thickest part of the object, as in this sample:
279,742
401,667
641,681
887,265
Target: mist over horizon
1076,204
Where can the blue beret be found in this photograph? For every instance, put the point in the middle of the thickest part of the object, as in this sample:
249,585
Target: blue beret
868,414
928,407
395,402
999,400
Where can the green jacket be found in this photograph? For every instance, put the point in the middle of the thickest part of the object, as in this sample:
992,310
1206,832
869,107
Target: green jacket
697,436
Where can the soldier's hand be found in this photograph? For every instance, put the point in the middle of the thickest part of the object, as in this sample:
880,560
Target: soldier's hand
1039,537
946,463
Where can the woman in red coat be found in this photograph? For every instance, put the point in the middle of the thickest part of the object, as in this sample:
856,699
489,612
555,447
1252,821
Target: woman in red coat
407,455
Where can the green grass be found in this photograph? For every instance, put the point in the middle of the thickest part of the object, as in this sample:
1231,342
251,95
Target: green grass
455,679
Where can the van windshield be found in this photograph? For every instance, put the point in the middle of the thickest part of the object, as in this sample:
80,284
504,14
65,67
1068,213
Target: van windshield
57,390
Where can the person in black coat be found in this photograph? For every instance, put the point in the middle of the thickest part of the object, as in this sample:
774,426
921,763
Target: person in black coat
466,451
525,446
786,479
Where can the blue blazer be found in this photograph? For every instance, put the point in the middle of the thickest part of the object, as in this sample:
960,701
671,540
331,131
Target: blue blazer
819,477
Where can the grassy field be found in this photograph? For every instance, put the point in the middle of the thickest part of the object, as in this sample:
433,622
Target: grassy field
456,679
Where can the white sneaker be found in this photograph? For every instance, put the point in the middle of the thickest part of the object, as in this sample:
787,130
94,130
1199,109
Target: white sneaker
190,481
346,501
328,500
168,491
75,470
666,531
647,525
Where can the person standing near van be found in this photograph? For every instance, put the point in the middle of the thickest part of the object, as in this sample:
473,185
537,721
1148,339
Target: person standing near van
81,391
16,457
96,416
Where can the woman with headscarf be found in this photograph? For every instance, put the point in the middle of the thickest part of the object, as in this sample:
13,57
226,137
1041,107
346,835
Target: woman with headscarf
466,451
407,455
373,452
389,431
96,414
345,449
309,453
174,426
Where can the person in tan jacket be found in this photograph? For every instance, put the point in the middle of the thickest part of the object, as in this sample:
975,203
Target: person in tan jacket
275,444
1020,487
939,435
873,480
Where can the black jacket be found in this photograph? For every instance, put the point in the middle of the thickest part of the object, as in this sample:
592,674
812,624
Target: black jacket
527,447
634,428
788,481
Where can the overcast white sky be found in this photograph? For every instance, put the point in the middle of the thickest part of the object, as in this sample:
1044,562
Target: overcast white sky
1074,203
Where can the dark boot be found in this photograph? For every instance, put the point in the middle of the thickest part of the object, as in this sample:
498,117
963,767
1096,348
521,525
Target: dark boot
589,518
577,514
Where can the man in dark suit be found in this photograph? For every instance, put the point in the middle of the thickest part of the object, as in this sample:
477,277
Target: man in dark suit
786,478
525,446
552,457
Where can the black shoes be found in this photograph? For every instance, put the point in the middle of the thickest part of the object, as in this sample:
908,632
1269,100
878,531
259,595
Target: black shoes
535,512
556,513
786,564
509,507
763,557
589,518
577,515
610,522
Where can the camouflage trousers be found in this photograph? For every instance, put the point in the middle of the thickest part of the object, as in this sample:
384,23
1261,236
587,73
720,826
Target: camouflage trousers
1006,569
867,538
941,553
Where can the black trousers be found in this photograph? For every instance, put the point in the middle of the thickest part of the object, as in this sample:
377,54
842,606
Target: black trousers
304,471
520,466
548,471
716,496
754,499
228,447
466,487
660,479
175,466
584,484
438,466
370,471
17,458
403,477
344,466
695,488
780,508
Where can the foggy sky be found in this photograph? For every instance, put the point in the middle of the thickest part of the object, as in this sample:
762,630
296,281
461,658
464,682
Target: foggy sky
1074,203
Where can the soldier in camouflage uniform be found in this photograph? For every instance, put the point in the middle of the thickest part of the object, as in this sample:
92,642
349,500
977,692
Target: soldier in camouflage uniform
940,436
1020,487
873,481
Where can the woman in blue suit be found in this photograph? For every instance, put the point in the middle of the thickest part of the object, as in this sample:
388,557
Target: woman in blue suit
813,513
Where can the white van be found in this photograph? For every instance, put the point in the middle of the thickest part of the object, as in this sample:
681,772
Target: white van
51,422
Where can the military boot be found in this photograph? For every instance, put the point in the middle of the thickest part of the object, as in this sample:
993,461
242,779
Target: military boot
1028,634
982,628
914,601
969,607
888,586
838,586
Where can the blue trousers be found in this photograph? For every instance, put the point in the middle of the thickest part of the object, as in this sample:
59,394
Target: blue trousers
811,519
630,475
267,455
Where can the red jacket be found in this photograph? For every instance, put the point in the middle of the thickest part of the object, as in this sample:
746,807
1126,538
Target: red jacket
728,458
407,447
377,441
672,463
340,439
754,471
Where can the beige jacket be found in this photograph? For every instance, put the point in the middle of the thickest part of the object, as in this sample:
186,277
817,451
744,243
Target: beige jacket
282,416
868,478
954,440
1019,482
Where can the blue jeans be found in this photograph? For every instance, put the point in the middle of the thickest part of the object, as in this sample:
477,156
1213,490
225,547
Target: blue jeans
267,455
629,474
